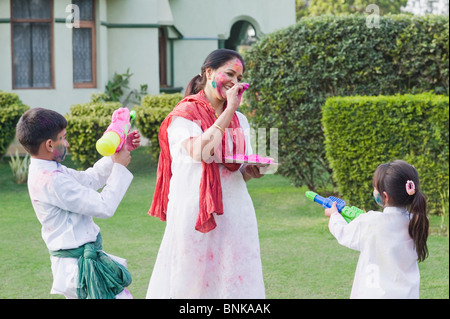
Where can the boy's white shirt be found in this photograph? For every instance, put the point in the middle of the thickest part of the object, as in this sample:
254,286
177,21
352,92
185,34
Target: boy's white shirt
65,202
387,265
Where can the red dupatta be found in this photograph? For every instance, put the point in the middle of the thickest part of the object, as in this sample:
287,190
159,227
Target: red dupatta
195,108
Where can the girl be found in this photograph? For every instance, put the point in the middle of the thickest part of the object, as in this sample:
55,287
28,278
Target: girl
391,242
210,247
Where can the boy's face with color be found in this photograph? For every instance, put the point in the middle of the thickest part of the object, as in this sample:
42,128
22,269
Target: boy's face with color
59,146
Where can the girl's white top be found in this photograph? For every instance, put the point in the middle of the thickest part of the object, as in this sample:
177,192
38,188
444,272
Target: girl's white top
387,265
223,263
65,201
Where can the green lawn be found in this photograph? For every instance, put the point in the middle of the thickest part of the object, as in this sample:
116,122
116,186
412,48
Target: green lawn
301,259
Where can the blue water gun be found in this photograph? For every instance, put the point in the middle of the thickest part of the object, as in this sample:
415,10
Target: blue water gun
349,213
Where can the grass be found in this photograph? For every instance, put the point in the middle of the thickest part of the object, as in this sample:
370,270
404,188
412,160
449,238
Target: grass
300,258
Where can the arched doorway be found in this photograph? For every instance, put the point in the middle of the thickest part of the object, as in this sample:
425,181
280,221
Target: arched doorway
242,36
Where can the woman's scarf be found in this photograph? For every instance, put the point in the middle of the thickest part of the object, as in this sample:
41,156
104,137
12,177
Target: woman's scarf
196,108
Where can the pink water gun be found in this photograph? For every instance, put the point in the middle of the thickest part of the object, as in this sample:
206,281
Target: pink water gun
116,133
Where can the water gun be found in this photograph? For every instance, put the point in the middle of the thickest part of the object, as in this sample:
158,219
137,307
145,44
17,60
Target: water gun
349,213
116,133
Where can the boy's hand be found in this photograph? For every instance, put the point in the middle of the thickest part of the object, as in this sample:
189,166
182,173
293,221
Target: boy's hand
122,157
332,210
133,140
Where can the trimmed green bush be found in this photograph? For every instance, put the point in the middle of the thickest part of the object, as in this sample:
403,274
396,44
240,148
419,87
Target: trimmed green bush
151,113
293,71
11,109
86,123
362,132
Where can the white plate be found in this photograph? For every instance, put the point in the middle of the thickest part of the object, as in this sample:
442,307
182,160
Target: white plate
238,161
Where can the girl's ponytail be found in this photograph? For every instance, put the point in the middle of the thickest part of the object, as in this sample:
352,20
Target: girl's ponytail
418,225
401,181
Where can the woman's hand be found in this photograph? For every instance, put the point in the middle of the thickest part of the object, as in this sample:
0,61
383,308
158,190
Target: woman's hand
133,140
234,95
252,171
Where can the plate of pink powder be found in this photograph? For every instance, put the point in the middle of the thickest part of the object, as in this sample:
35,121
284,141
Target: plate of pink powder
249,159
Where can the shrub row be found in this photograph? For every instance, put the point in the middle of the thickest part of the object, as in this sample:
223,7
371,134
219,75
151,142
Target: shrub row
293,71
151,113
88,121
11,109
362,132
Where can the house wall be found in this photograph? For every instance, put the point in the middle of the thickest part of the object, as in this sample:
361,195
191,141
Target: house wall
204,22
5,47
133,42
127,37
63,95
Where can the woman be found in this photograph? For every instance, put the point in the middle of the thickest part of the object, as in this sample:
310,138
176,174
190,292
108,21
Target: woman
210,247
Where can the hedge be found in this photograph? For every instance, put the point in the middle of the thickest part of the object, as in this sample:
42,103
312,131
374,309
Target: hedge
293,71
86,123
151,113
11,109
362,132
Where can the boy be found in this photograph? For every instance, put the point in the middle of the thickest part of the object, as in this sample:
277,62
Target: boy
65,200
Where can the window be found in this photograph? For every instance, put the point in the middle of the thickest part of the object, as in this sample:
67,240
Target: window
32,43
83,41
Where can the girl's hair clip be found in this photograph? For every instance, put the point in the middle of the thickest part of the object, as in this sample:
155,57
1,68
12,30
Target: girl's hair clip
410,187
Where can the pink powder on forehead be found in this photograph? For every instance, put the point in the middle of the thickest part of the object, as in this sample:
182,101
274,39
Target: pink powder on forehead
238,64
235,64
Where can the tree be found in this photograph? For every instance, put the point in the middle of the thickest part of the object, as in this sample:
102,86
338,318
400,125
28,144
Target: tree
337,7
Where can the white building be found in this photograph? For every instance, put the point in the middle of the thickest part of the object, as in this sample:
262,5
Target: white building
51,61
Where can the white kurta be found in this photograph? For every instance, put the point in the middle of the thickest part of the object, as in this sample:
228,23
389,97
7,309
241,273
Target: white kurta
65,200
223,263
387,265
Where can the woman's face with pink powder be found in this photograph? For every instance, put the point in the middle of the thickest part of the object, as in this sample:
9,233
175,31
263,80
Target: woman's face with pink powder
226,76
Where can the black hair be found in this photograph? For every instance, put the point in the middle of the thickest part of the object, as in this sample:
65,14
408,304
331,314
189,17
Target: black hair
392,178
38,125
214,60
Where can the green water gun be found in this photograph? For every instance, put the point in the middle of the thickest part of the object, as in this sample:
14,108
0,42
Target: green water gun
349,213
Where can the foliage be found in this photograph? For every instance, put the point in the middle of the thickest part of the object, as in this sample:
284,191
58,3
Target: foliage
301,9
19,168
298,253
11,109
116,89
363,132
323,7
86,123
293,71
151,113
444,211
